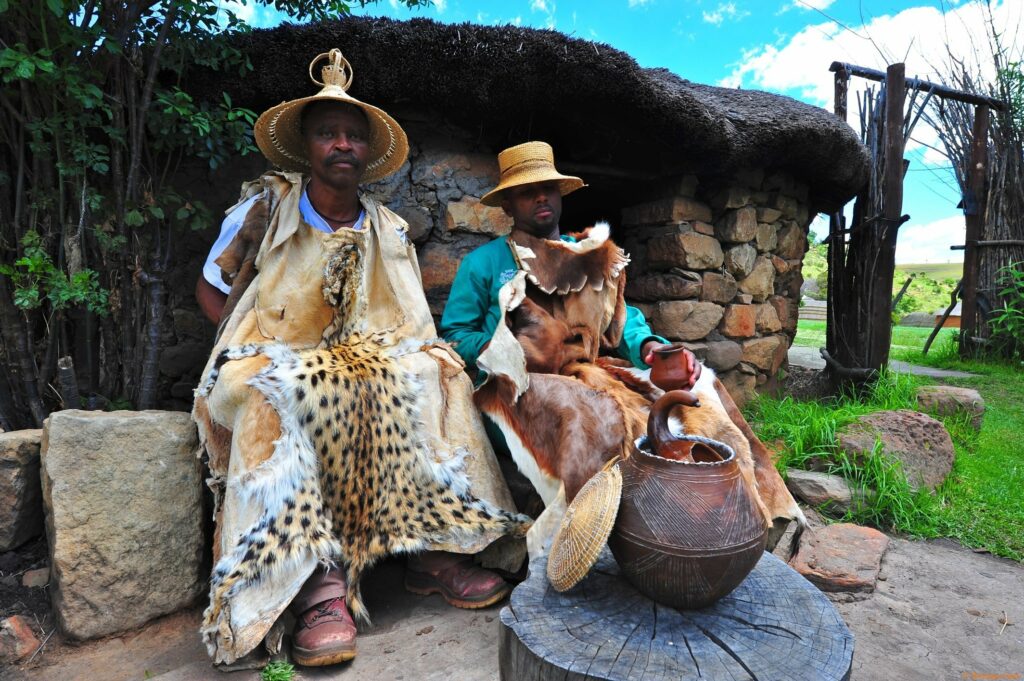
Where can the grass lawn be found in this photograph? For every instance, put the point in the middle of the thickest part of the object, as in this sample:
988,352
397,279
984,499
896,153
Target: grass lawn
937,271
980,504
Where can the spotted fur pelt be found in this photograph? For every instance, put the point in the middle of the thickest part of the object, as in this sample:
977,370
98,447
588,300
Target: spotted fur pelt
352,478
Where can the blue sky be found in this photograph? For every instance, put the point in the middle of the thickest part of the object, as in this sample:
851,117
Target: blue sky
782,46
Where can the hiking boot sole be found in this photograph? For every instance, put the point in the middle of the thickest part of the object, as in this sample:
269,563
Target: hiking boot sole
311,658
435,588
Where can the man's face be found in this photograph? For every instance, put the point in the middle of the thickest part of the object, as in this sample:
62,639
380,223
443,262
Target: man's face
337,140
535,208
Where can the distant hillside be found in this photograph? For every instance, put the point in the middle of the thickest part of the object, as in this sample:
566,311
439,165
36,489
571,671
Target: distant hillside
938,271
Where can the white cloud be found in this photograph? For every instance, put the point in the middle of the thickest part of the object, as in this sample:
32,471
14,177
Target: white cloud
726,11
440,5
930,242
547,8
393,3
538,6
637,3
810,4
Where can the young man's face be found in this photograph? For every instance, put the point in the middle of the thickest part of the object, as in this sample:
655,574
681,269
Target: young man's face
535,208
337,140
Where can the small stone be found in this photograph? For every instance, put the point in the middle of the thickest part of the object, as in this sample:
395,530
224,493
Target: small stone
743,299
921,444
739,260
766,353
469,215
703,228
673,209
767,237
36,578
718,287
17,640
739,321
841,557
21,507
792,241
947,400
691,251
733,197
766,214
781,266
723,355
737,226
658,286
768,319
817,489
760,283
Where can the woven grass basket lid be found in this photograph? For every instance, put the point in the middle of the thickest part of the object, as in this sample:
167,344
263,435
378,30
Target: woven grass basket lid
279,135
585,528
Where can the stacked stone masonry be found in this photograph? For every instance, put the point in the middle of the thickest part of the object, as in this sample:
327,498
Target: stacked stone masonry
720,269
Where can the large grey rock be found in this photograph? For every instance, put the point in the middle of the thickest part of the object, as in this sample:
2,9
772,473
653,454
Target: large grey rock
723,355
739,260
920,443
737,226
690,251
21,507
685,319
678,285
948,400
760,283
818,488
122,494
718,287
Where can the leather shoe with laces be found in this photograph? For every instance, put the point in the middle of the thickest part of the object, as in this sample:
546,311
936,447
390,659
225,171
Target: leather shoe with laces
461,582
324,634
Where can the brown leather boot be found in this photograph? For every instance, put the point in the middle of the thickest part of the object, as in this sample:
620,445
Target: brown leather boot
456,577
324,631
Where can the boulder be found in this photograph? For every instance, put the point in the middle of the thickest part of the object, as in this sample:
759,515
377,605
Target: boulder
733,197
767,237
739,321
739,260
766,353
767,214
685,319
690,251
723,355
920,443
781,266
841,557
817,488
469,215
718,287
788,311
17,640
124,517
768,319
792,241
787,204
677,285
740,385
760,283
674,209
737,226
703,228
21,507
947,400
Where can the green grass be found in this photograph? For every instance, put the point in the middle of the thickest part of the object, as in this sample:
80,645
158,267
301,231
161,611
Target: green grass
980,504
278,671
907,341
938,271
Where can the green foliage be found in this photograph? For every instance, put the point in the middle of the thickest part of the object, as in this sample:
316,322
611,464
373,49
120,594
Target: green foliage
1007,322
277,671
36,278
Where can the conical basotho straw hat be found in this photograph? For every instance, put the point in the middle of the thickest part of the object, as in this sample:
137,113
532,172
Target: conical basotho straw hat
279,135
584,531
525,164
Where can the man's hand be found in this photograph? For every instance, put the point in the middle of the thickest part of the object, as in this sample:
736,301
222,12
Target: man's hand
693,367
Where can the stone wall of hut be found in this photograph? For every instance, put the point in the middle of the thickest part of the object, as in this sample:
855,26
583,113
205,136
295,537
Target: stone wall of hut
715,266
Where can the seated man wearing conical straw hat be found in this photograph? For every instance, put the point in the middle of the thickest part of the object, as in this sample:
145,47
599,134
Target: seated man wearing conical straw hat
562,357
338,428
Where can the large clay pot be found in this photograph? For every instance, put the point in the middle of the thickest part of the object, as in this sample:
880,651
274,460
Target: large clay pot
688,532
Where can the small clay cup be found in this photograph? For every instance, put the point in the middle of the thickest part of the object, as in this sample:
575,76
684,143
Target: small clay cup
668,368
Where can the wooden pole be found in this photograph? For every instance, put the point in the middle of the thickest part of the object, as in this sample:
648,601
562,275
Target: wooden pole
880,296
940,90
974,212
836,237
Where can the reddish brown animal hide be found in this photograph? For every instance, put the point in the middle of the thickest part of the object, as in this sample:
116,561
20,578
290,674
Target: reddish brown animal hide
238,261
548,343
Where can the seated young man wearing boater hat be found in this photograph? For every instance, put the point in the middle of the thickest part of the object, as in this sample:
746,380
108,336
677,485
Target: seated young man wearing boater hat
562,358
338,430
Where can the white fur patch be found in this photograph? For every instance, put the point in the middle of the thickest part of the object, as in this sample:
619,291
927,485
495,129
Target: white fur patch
547,486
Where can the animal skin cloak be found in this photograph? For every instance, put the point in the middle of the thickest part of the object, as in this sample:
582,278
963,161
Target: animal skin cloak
337,427
563,408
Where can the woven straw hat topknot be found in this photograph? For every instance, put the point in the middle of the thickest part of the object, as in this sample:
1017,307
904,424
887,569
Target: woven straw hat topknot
279,135
525,164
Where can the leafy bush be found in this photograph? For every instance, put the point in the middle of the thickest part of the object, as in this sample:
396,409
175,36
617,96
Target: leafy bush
1007,322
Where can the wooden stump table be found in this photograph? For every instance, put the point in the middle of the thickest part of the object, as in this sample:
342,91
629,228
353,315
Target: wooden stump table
775,626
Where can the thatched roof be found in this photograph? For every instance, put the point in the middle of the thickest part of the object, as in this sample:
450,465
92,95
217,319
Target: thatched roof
591,101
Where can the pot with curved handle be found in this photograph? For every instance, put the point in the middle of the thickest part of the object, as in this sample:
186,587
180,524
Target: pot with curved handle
688,529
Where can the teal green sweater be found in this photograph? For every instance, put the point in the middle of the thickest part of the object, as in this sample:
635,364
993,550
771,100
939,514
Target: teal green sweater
472,312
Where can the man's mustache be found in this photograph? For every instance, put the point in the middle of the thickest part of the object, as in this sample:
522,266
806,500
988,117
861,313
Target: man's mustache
341,158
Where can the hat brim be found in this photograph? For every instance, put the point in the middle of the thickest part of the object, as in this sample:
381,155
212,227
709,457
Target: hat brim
278,134
567,184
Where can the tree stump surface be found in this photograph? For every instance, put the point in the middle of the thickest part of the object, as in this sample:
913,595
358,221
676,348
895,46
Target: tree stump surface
774,626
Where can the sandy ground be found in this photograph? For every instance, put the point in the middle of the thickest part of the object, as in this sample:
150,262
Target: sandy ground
935,616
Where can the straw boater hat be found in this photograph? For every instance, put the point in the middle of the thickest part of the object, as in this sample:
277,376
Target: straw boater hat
280,138
525,164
